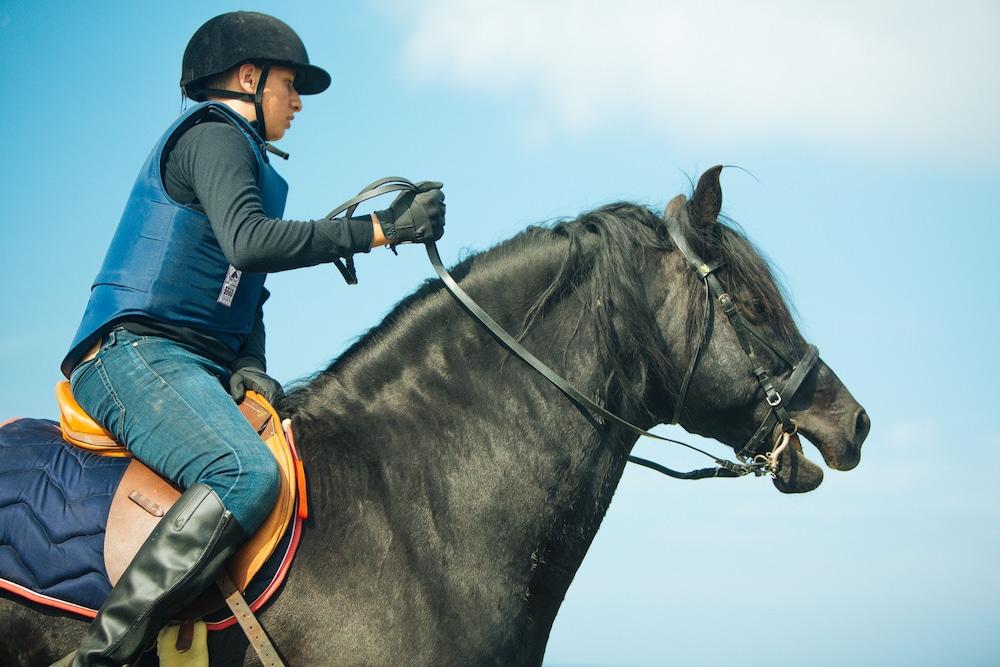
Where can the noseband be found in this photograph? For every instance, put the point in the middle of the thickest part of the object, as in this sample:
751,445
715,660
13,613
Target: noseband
753,457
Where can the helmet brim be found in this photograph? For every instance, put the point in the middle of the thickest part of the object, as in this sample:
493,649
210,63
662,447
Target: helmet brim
310,80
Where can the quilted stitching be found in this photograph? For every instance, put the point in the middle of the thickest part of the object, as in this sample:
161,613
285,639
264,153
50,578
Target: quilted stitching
51,519
52,525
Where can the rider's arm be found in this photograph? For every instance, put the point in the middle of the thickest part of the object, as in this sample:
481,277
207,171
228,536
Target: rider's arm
213,167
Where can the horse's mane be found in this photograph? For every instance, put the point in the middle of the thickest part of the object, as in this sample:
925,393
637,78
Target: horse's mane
607,252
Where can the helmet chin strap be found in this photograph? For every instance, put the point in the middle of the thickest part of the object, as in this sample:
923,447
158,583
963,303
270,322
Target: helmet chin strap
258,105
258,100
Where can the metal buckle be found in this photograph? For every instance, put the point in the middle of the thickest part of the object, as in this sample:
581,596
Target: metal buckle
760,466
745,468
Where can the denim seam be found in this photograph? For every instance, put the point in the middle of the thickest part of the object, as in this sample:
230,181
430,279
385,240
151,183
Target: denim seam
120,431
146,365
85,372
210,427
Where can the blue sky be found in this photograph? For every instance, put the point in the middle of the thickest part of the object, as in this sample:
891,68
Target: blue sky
872,135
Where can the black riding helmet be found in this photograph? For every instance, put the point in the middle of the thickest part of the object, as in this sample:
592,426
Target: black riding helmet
235,38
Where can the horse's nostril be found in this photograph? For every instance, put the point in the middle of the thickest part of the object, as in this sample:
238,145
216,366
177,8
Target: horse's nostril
862,424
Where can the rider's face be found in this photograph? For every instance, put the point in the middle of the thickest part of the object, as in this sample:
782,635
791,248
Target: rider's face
281,101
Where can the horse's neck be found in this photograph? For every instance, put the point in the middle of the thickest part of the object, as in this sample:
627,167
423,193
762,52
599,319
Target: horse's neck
486,476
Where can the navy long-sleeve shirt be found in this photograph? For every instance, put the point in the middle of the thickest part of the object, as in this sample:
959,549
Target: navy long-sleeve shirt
212,169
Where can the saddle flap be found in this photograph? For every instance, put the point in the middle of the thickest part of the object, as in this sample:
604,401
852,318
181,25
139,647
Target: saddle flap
143,497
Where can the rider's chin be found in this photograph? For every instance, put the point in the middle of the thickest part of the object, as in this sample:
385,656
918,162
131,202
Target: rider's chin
796,473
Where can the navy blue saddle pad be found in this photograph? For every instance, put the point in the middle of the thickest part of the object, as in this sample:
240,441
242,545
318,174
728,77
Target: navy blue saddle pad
54,504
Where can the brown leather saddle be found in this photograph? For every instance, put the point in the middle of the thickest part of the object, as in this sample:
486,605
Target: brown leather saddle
143,496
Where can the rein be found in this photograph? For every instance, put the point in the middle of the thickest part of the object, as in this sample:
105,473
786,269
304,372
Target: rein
759,464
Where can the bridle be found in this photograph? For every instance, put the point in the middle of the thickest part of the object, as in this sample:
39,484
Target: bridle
753,450
753,456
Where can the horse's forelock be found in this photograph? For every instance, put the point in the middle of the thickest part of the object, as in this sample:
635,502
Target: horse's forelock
747,275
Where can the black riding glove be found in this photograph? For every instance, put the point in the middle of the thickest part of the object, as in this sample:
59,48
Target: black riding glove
415,217
249,375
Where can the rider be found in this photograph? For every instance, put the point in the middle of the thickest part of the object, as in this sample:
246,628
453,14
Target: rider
173,333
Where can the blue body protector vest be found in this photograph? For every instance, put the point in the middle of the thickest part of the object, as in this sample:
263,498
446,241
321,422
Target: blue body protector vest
165,263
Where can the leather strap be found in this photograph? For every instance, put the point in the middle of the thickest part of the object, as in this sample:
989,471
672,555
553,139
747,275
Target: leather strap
799,374
248,622
744,333
370,191
682,394
727,468
185,637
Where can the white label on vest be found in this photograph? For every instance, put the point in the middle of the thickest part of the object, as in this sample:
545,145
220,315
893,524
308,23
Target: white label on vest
229,287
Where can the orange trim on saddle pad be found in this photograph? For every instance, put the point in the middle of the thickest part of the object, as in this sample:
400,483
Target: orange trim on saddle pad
45,600
300,469
256,605
301,515
276,582
252,556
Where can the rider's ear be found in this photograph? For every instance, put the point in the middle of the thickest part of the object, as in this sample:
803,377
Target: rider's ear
707,200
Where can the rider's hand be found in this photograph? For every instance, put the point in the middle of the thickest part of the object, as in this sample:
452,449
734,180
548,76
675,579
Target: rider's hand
249,375
415,217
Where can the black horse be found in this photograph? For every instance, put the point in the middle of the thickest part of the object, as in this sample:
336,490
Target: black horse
454,492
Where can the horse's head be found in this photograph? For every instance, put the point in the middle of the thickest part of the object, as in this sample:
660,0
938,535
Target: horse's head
730,357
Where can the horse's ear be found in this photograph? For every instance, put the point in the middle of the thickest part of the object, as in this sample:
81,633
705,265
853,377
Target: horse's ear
674,206
707,200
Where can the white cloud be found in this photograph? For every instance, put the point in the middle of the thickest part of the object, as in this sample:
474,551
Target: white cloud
915,79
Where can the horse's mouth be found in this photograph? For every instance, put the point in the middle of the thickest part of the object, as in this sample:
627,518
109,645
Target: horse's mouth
795,473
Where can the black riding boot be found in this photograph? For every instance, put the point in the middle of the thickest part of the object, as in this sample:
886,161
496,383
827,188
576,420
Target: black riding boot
181,558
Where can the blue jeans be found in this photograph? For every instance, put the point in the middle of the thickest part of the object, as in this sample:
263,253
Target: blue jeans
169,407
